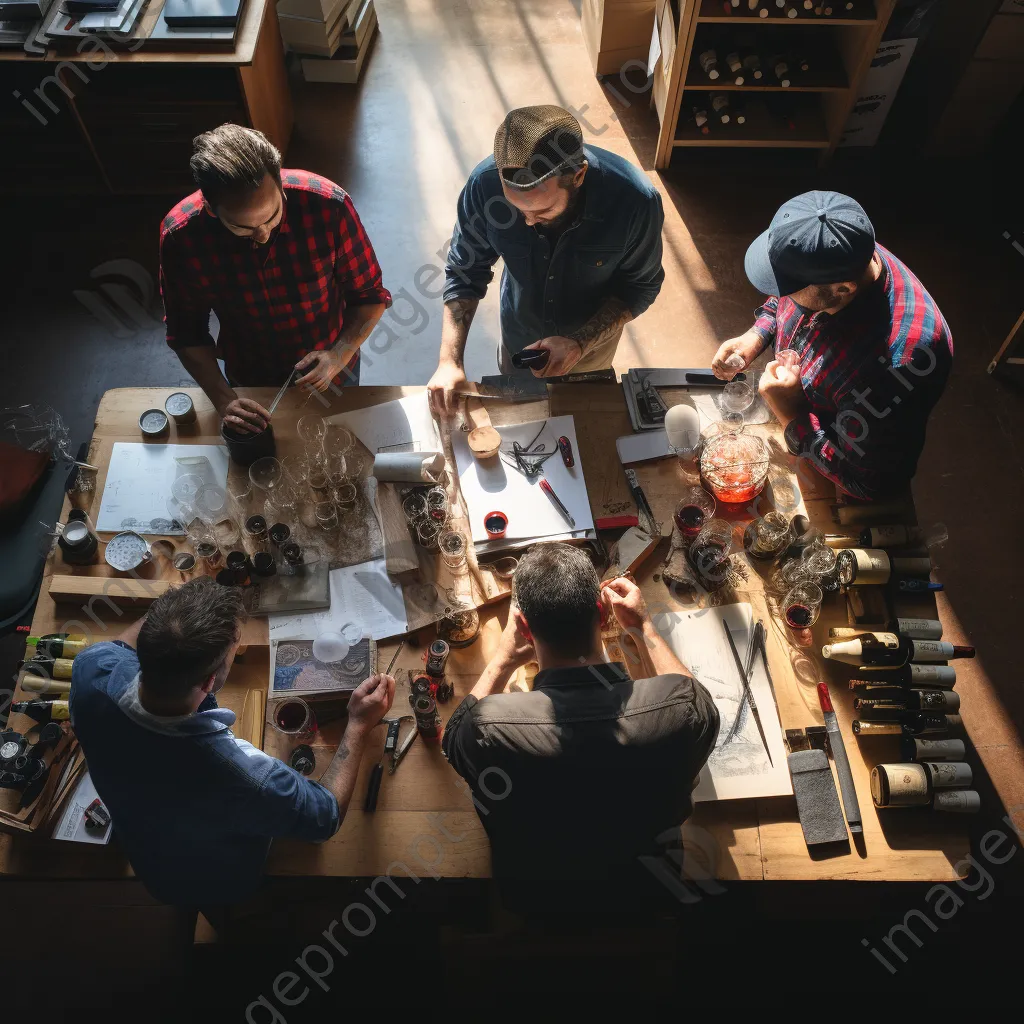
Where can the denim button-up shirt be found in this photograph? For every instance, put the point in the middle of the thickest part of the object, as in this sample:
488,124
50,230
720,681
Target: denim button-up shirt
613,249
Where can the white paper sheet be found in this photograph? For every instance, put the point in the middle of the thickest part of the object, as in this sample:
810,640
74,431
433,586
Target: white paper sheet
404,421
139,481
493,485
71,827
363,594
738,767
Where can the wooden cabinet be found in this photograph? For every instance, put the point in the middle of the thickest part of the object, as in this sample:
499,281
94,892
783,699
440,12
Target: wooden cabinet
126,125
807,107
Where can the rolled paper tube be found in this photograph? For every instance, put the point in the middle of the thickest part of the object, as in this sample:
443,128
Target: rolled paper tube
409,467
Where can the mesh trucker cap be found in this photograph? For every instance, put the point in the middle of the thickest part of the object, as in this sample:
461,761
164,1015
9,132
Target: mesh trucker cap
533,144
815,238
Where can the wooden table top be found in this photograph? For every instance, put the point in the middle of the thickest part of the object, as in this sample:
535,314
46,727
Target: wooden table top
425,818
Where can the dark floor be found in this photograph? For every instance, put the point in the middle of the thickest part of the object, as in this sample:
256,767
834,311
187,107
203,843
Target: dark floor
402,143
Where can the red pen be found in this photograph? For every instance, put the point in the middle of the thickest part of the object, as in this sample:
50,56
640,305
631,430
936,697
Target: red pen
549,491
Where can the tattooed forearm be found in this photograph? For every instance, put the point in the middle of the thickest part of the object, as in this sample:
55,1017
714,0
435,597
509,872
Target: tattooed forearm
342,772
613,315
462,311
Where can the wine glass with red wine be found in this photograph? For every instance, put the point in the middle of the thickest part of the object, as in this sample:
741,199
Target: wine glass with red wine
695,508
800,607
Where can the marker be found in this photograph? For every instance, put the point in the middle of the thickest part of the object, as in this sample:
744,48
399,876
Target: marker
835,739
549,491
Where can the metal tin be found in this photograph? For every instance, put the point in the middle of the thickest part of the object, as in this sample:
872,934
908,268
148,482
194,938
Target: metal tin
154,423
126,551
180,408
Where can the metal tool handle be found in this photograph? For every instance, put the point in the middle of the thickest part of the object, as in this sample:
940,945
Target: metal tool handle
373,788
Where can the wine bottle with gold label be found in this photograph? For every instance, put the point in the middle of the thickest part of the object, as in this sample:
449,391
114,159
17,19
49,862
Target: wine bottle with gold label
874,566
910,723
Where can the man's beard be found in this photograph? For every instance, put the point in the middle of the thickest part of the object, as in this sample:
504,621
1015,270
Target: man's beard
568,215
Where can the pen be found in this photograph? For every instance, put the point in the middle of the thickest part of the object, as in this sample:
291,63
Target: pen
549,491
835,741
747,692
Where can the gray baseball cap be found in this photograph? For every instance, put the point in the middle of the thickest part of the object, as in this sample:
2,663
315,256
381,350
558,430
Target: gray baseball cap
815,238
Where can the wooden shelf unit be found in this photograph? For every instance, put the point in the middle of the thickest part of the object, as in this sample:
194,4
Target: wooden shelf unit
839,49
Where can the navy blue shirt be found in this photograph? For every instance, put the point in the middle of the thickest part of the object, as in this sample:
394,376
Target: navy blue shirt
613,249
193,806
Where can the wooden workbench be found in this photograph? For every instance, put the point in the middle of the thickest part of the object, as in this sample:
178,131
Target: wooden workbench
424,814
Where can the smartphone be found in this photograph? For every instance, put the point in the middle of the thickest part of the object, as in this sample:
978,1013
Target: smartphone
531,359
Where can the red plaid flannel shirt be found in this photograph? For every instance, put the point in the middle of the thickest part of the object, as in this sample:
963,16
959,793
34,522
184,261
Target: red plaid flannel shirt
871,375
275,302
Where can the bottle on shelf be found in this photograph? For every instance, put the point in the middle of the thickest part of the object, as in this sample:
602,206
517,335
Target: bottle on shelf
914,629
897,536
54,668
708,61
780,68
59,645
735,66
874,566
752,63
887,650
43,711
914,748
700,119
739,112
910,723
918,784
946,701
720,105
941,676
791,11
803,62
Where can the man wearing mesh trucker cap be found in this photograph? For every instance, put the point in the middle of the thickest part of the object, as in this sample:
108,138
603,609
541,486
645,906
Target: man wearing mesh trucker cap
579,231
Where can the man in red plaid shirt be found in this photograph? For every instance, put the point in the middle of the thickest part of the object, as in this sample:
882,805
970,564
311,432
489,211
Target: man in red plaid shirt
862,352
282,259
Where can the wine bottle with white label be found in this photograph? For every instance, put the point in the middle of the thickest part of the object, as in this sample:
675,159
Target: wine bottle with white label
874,566
720,106
708,61
887,650
735,66
916,784
902,536
913,629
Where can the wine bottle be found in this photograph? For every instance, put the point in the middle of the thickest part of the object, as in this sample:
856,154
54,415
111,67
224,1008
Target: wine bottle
791,11
55,668
900,536
947,701
700,118
780,68
916,784
887,650
941,676
910,723
914,629
43,710
720,105
752,63
873,566
708,61
735,66
914,748
59,645
32,682
739,111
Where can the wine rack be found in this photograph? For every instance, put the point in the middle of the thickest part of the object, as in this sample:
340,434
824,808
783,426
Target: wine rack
811,65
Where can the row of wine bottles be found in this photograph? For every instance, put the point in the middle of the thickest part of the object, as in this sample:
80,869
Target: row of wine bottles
799,8
719,108
742,64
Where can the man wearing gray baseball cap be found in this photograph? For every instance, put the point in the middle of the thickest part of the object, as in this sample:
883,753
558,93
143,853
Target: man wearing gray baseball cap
579,230
862,352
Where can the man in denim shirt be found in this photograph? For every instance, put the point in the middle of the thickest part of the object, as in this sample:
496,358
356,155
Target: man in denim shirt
579,230
194,806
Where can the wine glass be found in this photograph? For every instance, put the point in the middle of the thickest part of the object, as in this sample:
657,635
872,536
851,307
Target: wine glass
695,507
337,440
266,473
709,553
800,607
737,396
